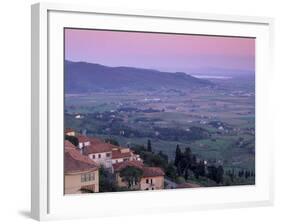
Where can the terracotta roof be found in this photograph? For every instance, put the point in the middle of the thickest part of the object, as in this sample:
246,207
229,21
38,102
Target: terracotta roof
95,141
152,172
83,138
119,166
116,154
68,145
147,171
74,161
98,148
188,185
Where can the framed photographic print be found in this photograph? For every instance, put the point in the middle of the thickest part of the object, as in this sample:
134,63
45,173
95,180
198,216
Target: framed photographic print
169,109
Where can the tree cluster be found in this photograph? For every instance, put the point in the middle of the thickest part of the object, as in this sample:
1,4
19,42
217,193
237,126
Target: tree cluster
216,173
240,176
152,158
131,175
74,140
112,141
186,162
106,181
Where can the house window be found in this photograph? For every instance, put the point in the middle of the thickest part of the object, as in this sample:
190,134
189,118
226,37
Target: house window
146,189
93,156
87,177
151,181
108,154
147,181
99,156
152,188
83,178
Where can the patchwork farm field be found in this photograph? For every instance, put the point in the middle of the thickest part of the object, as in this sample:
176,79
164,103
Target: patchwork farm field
217,123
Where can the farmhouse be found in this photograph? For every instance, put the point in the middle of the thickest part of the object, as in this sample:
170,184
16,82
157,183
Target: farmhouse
80,173
100,152
123,154
152,178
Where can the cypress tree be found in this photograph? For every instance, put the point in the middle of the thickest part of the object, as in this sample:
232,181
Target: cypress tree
178,155
149,145
178,160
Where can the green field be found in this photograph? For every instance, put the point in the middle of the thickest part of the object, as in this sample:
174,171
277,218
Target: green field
217,124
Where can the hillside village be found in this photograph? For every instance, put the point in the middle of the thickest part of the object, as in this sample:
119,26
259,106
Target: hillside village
84,162
93,165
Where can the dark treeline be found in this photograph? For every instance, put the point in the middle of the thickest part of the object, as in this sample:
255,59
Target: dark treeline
187,166
241,176
186,163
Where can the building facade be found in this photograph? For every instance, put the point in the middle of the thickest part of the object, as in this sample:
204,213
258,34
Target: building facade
152,178
83,141
120,155
100,153
81,175
82,165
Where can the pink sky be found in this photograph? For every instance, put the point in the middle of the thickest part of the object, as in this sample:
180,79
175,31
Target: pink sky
167,52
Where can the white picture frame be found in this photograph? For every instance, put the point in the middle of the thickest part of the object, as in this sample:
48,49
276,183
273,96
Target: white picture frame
48,201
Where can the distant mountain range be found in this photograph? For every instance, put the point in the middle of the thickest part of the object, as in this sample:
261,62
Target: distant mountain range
82,77
224,72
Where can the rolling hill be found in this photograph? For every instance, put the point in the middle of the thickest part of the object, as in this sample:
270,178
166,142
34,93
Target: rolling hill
82,77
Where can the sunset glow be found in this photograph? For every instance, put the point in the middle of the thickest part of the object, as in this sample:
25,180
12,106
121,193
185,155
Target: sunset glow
168,52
